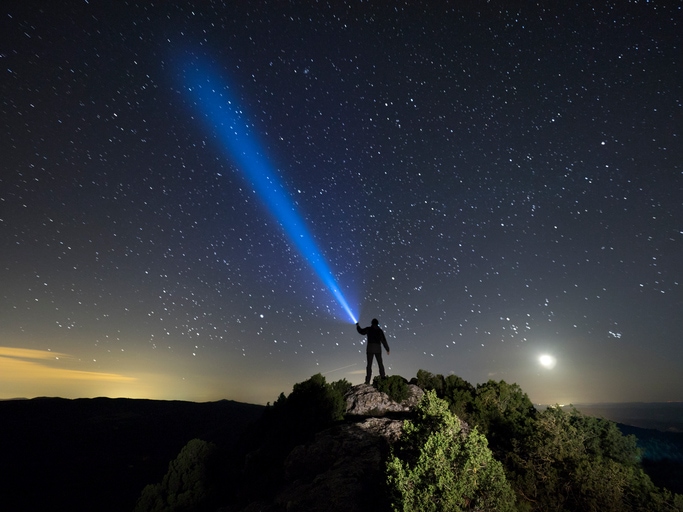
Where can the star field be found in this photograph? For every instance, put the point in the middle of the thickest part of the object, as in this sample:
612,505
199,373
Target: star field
492,181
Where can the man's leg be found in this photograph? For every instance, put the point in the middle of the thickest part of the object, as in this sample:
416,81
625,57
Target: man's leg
368,369
380,364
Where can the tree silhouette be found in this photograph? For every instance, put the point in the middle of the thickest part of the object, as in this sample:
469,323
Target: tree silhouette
395,386
188,483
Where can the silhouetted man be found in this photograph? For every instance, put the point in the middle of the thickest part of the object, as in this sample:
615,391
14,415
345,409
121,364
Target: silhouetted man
376,339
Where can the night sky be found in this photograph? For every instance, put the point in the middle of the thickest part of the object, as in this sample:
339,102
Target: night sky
493,181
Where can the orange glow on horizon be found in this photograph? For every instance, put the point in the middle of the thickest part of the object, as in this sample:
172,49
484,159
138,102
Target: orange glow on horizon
28,373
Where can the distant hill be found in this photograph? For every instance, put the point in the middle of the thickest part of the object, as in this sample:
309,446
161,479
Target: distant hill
662,455
664,416
97,454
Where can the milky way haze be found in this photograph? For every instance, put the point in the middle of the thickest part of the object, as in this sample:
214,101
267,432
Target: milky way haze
495,184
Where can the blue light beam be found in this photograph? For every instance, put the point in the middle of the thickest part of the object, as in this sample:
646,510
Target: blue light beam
224,115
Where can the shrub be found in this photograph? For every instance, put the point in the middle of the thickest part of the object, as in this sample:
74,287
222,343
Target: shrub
395,386
456,391
575,462
427,381
503,413
314,404
341,386
188,483
437,467
460,396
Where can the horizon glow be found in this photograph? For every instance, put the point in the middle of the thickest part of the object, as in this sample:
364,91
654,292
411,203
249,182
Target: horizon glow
212,99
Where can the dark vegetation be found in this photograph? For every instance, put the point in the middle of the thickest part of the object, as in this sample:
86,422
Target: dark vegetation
439,464
553,459
98,454
107,454
506,456
395,386
312,406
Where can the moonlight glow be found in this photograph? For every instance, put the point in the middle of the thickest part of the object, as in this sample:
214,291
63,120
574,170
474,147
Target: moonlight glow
547,361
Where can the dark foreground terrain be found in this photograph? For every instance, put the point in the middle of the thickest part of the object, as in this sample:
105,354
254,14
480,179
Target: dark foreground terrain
98,454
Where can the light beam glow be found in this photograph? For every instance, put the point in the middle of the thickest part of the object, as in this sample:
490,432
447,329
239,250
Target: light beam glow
212,98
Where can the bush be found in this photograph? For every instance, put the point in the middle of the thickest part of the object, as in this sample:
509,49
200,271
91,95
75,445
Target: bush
503,413
460,396
314,404
456,391
437,467
188,483
428,381
341,386
576,462
395,386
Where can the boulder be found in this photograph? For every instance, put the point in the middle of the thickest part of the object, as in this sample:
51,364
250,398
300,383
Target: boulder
365,400
342,469
416,394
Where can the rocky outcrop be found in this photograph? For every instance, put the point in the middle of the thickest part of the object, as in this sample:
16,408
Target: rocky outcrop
414,397
342,469
365,400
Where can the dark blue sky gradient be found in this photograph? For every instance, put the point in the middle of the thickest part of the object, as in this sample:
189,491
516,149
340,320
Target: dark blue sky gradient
492,181
224,115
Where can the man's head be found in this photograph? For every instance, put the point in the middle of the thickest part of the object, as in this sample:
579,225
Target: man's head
375,321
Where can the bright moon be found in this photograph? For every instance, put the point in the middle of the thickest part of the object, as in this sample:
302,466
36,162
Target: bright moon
547,361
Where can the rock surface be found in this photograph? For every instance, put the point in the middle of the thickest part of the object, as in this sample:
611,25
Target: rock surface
365,400
342,469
